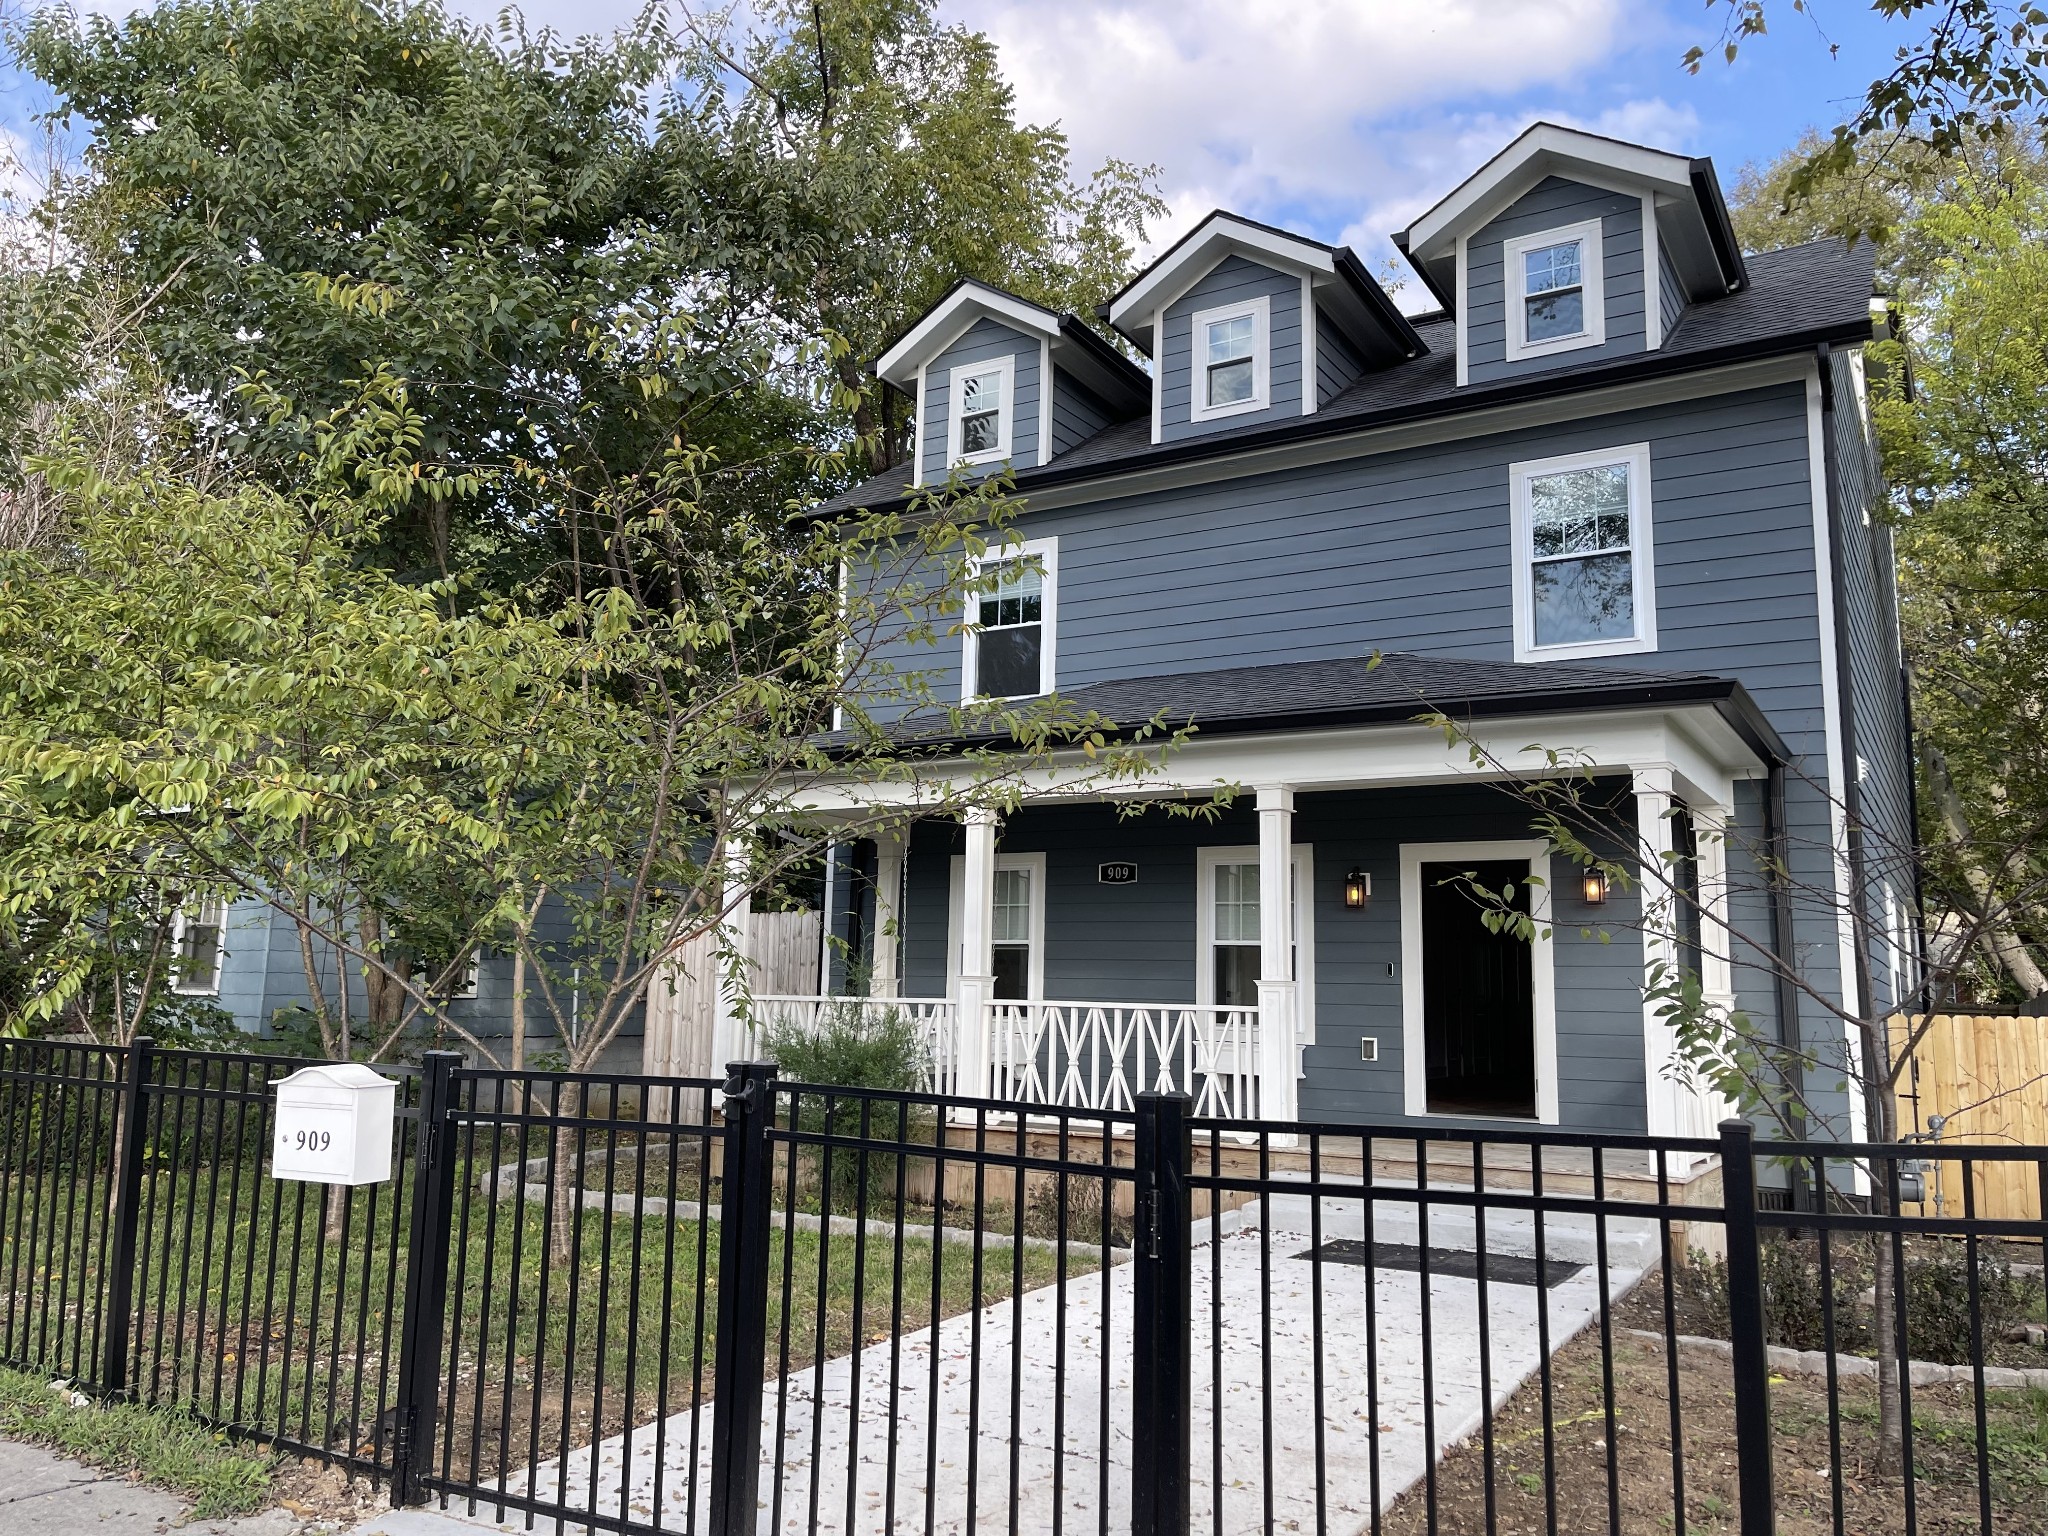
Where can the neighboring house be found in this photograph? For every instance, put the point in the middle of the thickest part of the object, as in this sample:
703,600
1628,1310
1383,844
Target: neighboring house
1613,496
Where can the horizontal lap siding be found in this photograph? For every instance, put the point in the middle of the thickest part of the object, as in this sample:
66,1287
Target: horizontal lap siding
1077,414
1670,291
1551,204
1337,364
984,341
1232,280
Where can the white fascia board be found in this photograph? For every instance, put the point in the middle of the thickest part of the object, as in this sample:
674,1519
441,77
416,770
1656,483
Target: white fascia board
1174,274
1355,757
951,317
1547,149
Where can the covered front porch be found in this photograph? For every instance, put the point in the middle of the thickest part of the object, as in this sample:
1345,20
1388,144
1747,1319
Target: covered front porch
1310,950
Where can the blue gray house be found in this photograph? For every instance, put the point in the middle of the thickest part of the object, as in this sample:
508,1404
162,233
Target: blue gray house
1612,496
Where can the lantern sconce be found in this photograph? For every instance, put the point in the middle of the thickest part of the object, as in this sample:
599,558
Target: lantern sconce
1595,888
1357,890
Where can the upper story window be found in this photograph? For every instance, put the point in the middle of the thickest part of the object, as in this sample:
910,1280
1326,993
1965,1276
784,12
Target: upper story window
1584,572
1554,297
1231,366
1009,645
982,396
198,933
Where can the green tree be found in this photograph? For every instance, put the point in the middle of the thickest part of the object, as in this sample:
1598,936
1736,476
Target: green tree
1978,69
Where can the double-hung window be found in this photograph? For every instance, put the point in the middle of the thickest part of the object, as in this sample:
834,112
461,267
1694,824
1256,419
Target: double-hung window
1009,648
197,935
982,397
1555,299
1231,364
1584,571
1011,933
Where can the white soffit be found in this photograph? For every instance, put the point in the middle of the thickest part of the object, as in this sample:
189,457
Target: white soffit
1217,236
1545,150
969,301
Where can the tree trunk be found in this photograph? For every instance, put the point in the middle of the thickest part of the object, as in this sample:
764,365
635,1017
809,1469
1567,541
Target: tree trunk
2007,945
568,1171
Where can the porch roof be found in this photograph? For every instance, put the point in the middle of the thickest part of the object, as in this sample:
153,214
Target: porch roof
1354,691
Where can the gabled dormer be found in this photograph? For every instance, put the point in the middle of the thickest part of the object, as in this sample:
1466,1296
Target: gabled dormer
1569,248
1246,324
996,380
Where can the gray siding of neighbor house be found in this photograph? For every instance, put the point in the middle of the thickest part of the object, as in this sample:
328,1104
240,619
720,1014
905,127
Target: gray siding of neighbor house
1548,205
1411,551
1136,943
1233,279
1076,413
263,976
982,342
1670,291
1337,363
1879,747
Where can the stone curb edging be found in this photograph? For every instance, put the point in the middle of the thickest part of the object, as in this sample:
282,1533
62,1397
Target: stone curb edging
510,1180
1814,1362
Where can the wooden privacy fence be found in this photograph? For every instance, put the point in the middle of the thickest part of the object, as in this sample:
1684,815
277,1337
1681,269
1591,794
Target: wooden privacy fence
682,1004
1985,1078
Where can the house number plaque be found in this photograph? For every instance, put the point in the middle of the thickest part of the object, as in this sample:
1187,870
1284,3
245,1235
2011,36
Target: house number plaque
1117,874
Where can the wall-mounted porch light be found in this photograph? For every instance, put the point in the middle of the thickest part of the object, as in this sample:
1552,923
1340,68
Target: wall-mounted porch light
1357,890
1595,888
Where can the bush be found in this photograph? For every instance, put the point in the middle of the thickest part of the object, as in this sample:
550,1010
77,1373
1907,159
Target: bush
1937,1288
855,1044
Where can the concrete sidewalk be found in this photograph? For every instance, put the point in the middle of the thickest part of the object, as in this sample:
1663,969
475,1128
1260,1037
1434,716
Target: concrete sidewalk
44,1494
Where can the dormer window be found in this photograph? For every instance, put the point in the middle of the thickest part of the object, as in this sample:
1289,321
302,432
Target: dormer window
1231,360
1555,302
982,395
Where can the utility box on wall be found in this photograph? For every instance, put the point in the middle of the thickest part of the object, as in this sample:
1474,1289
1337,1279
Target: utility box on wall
334,1125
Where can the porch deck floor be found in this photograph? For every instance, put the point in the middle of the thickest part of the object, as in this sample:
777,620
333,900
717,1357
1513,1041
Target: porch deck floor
983,1477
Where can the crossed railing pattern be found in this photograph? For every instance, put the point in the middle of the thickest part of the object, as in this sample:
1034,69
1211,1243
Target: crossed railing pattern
1101,1056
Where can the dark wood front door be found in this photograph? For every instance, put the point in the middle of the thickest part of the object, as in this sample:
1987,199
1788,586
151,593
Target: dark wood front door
1478,1008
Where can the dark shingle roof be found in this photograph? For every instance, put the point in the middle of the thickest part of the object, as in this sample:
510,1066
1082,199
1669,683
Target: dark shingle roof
1352,690
1796,298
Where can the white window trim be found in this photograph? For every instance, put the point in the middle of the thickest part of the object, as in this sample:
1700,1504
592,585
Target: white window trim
1642,554
1591,283
1542,970
1303,855
465,990
1261,311
220,952
956,915
924,403
1048,553
1006,417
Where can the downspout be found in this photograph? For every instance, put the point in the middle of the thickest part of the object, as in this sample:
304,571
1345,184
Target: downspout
1852,786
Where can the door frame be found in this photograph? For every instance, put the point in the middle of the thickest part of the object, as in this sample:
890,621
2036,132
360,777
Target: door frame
1304,862
1542,970
956,896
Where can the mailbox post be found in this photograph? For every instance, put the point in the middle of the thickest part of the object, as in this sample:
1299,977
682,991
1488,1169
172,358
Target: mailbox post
334,1125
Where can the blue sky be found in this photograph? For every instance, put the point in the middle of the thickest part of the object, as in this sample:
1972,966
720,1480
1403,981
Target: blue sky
1345,118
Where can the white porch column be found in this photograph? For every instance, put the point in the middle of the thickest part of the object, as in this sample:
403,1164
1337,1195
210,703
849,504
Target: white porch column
729,1035
1277,1001
886,979
1654,803
977,953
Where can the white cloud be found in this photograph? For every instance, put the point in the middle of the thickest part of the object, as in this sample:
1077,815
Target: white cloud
1339,117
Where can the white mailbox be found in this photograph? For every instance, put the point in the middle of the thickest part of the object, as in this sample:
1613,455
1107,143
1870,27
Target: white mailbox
334,1125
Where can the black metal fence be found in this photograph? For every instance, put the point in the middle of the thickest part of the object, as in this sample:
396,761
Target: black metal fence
641,1305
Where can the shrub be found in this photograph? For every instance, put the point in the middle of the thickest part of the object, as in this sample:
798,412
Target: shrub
855,1044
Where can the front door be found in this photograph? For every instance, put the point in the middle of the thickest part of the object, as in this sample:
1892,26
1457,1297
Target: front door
1478,996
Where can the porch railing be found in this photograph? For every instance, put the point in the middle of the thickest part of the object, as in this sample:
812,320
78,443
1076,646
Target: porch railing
1101,1056
936,1020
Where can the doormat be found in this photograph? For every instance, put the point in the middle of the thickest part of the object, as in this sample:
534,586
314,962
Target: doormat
1501,1268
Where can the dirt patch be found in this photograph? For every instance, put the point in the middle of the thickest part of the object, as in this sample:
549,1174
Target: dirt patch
1614,1470
323,1498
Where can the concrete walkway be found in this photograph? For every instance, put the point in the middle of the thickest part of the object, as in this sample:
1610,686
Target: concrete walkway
841,1470
44,1494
